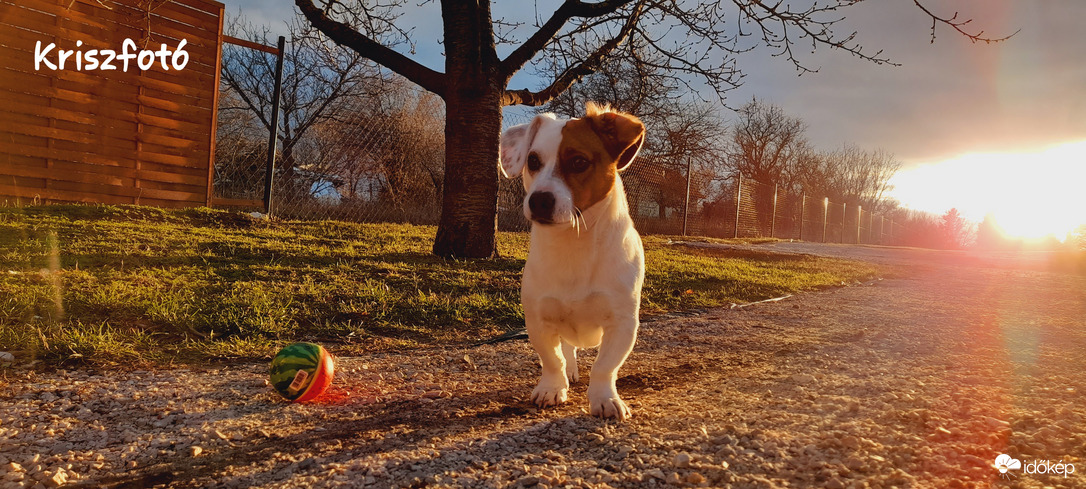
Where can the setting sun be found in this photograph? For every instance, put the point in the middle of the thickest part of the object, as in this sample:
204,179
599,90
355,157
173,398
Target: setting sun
1029,194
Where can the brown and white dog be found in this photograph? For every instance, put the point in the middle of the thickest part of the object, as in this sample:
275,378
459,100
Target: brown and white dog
582,281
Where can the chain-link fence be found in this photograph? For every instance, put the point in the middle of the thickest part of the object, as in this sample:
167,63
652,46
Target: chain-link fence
385,162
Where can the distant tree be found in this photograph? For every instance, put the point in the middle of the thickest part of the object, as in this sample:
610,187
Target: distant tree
678,125
388,150
1078,238
766,144
699,38
850,175
955,230
990,234
321,82
241,148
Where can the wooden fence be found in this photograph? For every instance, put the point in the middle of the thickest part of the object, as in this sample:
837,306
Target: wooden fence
141,136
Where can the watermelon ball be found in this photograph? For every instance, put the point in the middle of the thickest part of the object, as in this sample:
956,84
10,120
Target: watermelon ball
302,371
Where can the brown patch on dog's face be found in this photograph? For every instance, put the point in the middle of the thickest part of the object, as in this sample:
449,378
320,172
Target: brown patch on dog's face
584,164
593,150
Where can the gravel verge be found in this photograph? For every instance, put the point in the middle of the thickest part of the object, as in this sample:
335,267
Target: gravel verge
915,381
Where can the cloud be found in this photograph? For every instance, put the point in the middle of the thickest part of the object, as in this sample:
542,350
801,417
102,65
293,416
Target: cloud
947,98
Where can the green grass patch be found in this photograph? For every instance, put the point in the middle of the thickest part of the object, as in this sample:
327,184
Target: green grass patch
140,285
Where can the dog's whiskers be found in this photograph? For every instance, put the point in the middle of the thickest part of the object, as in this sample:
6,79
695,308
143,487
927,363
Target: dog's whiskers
578,220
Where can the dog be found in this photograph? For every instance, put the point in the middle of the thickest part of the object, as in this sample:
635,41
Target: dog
582,281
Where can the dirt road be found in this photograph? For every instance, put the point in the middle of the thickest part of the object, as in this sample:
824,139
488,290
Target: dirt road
918,380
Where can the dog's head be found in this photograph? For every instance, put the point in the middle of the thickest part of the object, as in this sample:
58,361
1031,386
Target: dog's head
569,165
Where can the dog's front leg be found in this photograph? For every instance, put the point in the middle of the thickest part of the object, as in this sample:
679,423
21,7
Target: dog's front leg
553,385
615,346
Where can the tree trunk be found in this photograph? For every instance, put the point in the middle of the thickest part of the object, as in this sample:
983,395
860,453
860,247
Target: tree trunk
470,203
473,122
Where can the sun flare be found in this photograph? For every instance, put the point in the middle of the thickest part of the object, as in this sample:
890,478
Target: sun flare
1030,195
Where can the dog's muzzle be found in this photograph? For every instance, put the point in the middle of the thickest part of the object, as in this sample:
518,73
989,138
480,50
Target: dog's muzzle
541,207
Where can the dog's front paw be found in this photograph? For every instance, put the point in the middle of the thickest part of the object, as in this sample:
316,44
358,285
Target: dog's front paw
545,395
609,407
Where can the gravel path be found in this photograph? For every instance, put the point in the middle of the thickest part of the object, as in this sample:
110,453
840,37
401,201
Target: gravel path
919,380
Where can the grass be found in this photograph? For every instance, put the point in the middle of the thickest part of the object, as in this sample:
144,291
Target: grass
139,285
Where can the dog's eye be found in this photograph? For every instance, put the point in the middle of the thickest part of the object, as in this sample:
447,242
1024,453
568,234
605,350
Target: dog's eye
533,163
579,164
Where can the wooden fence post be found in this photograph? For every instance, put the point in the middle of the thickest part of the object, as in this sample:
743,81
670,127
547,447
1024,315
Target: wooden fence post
215,112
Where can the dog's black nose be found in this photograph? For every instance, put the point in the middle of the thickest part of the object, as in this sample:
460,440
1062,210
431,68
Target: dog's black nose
542,206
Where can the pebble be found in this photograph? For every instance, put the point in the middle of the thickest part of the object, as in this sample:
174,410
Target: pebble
695,478
653,474
803,378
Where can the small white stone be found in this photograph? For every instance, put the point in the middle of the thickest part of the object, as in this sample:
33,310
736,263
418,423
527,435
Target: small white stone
803,378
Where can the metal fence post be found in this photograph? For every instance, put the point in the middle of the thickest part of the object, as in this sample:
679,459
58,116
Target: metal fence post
825,216
273,133
802,209
773,220
738,201
859,220
686,207
844,215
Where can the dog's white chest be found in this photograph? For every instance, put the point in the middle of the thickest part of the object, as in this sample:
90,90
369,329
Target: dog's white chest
580,320
593,308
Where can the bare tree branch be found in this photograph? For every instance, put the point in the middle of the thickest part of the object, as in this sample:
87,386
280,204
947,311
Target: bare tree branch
345,35
577,71
570,9
959,25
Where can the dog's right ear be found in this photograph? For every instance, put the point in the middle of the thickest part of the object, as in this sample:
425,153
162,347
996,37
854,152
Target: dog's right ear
513,150
515,144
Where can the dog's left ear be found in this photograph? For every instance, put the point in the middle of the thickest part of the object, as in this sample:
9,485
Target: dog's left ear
622,134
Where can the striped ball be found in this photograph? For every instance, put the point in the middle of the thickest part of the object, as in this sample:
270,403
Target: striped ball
302,371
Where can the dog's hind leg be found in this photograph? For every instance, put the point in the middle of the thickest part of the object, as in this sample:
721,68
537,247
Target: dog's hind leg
553,385
570,353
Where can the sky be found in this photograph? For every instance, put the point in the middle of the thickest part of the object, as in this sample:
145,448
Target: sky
965,119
